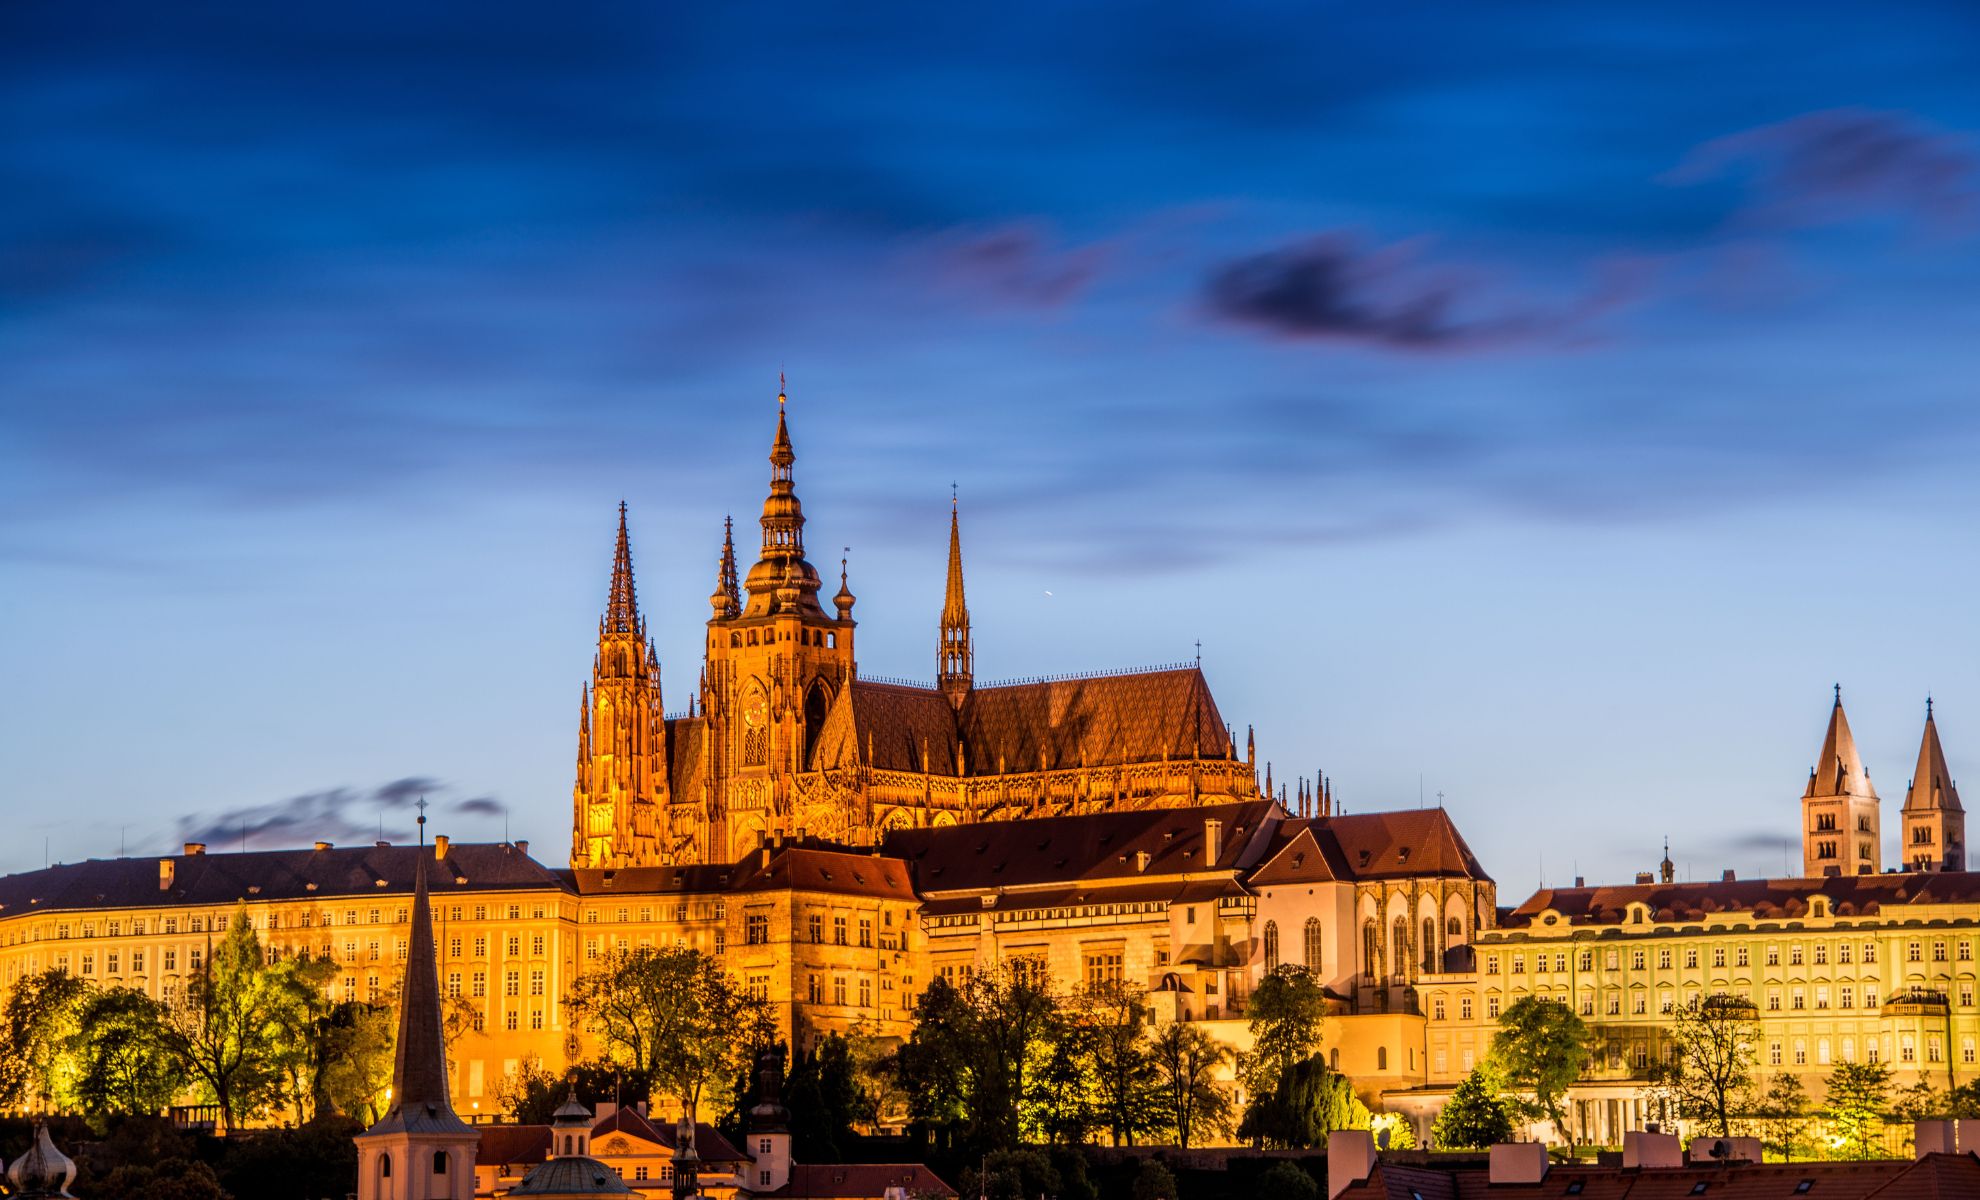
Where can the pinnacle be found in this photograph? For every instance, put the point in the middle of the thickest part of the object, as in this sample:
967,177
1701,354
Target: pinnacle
622,605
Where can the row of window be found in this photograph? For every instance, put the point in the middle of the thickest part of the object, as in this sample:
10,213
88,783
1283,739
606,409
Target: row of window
1817,954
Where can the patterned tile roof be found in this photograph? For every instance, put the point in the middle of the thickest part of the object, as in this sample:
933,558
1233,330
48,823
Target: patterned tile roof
1102,721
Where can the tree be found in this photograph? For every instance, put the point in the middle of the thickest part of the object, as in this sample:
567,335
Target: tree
39,1018
1474,1118
1310,1101
674,1014
530,1093
1856,1104
1715,1042
171,1179
346,1066
970,1068
1540,1049
1285,1181
1919,1102
1191,1099
1154,1182
236,1025
1393,1131
121,1064
823,1095
1284,1013
1024,1173
1963,1102
1783,1114
1114,1019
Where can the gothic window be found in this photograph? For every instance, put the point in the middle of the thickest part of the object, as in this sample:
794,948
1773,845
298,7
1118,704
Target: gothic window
1271,945
1371,949
1399,951
439,1162
1429,950
1313,944
814,721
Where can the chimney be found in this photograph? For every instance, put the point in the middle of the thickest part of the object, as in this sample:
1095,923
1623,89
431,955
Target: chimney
323,845
1141,858
165,868
1213,840
605,1110
1580,882
642,1108
439,847
195,847
1643,877
1727,875
1350,1157
1517,1163
523,846
1648,1148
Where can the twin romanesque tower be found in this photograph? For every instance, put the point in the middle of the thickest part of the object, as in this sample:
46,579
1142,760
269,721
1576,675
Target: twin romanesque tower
1841,833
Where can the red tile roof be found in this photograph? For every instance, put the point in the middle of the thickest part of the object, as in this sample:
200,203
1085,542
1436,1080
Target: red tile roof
1383,845
860,1181
1100,721
1851,895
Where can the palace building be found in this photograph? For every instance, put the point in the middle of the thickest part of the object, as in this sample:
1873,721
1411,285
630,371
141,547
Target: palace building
784,737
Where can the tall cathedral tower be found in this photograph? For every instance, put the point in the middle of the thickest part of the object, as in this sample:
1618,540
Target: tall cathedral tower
776,663
1839,809
622,739
955,662
1934,822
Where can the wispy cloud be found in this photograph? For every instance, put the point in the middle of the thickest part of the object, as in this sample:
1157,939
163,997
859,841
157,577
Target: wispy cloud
1019,262
1333,288
1843,164
338,814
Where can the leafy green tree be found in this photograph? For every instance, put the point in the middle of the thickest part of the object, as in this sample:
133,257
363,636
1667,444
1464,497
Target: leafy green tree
1540,1049
1061,1102
1309,1102
1284,1014
531,1092
119,1058
1113,1017
1190,1097
1858,1097
1782,1114
1918,1102
1474,1118
1285,1181
317,1160
1393,1131
1963,1102
346,1062
970,1066
1023,1173
37,1022
1716,1041
170,1179
673,1014
236,1027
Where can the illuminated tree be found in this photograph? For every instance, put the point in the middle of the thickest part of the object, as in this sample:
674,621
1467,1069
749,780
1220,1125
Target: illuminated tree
1191,1097
1855,1108
39,1019
1716,1042
1782,1114
1540,1049
1474,1118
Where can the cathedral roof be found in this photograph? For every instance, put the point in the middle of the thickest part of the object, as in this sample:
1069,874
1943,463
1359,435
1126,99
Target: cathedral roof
1932,786
684,757
1090,848
223,878
1767,899
1096,721
891,725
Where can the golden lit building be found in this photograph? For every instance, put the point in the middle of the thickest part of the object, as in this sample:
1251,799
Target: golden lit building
785,737
1839,965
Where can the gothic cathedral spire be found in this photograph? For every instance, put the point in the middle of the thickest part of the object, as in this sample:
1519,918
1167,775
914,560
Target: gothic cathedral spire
1934,822
955,662
727,597
622,739
781,580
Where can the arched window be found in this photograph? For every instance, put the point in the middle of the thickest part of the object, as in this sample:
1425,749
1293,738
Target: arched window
569,1143
1454,931
1399,952
1313,944
1371,949
439,1162
1271,945
1381,1058
385,1166
1431,959
1334,1058
735,640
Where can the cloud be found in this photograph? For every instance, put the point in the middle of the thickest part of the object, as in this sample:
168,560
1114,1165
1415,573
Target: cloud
1017,263
1331,288
479,806
1839,165
339,814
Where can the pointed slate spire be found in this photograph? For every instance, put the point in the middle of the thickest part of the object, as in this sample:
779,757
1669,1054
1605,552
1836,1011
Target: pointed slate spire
419,1063
1931,783
622,606
1839,770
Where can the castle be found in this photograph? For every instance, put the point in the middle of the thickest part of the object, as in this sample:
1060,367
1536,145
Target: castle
785,738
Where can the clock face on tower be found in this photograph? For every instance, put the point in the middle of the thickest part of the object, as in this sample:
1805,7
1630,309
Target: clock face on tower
756,734
755,711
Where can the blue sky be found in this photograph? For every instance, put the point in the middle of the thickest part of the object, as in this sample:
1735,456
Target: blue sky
1540,405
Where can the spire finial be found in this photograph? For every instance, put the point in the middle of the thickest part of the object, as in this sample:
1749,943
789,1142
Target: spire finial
622,604
780,389
1928,706
727,597
1838,695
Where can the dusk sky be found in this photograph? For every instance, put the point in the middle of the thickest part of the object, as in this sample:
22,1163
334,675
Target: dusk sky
1539,406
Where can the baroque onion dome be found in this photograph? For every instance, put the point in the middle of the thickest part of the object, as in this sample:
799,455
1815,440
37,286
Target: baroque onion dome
843,598
781,580
43,1170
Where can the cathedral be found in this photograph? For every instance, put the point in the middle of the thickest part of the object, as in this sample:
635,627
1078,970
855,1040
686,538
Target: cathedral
783,737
